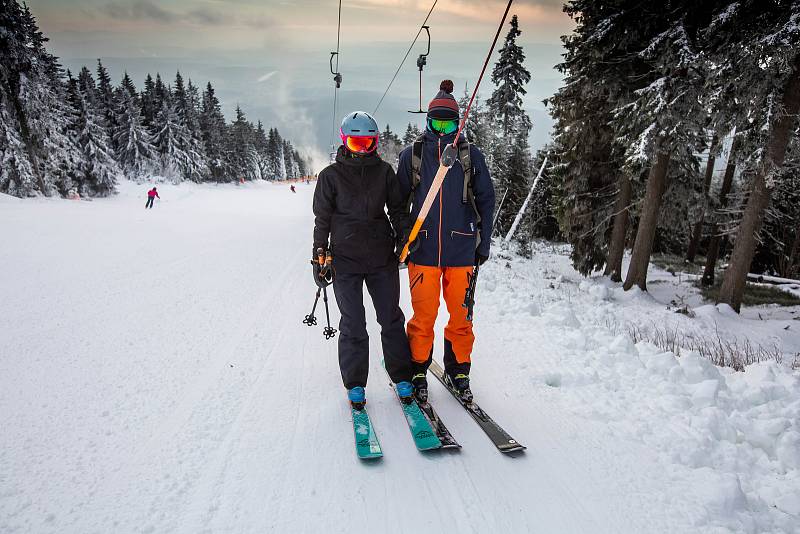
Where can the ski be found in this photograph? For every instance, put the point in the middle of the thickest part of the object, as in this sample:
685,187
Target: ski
421,430
367,445
444,435
501,439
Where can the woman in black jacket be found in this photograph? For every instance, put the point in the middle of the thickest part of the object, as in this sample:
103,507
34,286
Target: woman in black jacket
351,200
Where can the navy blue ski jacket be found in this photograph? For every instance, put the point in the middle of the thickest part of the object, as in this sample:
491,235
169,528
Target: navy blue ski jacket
449,233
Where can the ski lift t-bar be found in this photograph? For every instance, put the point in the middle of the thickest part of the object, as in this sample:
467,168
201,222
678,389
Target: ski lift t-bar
337,76
422,60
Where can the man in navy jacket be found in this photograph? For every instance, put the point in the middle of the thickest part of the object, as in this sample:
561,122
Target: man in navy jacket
455,236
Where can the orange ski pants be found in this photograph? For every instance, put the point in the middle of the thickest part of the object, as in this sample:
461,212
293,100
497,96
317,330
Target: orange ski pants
427,284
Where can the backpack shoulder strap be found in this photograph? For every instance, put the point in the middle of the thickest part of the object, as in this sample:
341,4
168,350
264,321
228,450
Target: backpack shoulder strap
416,169
465,159
468,196
466,165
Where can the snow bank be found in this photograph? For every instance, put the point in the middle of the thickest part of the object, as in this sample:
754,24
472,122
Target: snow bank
729,439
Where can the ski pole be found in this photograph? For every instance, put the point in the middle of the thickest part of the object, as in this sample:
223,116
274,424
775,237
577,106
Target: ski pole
310,320
469,296
328,332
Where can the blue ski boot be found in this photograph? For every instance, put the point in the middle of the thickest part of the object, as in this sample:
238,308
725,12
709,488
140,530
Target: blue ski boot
405,391
357,397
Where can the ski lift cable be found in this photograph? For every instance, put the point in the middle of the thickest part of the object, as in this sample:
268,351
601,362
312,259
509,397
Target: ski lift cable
337,76
450,153
419,32
483,71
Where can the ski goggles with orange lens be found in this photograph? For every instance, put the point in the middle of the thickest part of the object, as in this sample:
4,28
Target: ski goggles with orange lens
443,127
360,144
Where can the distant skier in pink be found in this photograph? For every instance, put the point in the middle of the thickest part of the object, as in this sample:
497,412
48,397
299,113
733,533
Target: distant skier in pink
151,197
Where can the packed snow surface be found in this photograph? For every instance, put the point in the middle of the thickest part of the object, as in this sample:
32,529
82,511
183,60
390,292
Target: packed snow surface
155,376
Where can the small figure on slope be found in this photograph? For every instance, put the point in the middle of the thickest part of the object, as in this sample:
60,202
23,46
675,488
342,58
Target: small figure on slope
351,201
292,188
151,197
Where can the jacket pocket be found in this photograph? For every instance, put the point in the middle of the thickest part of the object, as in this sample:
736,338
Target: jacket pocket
460,249
455,233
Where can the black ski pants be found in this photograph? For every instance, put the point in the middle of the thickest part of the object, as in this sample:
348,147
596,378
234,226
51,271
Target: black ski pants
384,288
149,202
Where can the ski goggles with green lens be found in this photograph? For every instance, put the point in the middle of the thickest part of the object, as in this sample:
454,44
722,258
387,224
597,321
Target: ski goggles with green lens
443,127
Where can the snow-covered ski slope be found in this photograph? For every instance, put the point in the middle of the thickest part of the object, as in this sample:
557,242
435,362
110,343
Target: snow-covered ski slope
155,376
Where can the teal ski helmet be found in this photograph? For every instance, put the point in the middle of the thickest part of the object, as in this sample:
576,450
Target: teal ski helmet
359,132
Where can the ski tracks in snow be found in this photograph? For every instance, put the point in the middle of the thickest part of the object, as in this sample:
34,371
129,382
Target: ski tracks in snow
175,389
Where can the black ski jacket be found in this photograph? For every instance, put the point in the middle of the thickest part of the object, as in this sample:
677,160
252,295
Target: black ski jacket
351,201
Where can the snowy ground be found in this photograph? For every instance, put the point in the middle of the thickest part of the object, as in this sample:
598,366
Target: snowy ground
155,377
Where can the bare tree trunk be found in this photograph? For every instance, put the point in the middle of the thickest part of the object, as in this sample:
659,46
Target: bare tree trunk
793,255
713,247
616,248
640,258
697,233
780,132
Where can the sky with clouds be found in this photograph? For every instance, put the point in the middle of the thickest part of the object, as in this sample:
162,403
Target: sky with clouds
272,56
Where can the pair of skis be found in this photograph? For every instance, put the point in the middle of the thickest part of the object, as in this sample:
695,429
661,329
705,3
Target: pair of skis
427,428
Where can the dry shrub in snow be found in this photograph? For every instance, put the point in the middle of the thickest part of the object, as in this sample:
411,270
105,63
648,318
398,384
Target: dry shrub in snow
733,353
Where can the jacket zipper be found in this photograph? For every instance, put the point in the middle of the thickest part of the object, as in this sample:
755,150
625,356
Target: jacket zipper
440,208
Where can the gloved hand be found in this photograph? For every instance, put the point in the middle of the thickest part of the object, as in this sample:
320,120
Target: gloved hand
401,242
323,272
480,259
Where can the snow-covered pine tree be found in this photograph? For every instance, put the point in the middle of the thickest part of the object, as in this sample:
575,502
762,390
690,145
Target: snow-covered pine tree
519,179
98,171
478,127
186,101
778,252
275,155
213,129
260,145
128,85
665,118
510,77
35,104
105,105
150,108
170,142
240,149
591,188
539,221
302,167
16,172
412,132
88,87
161,95
135,152
510,145
389,146
755,48
288,160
